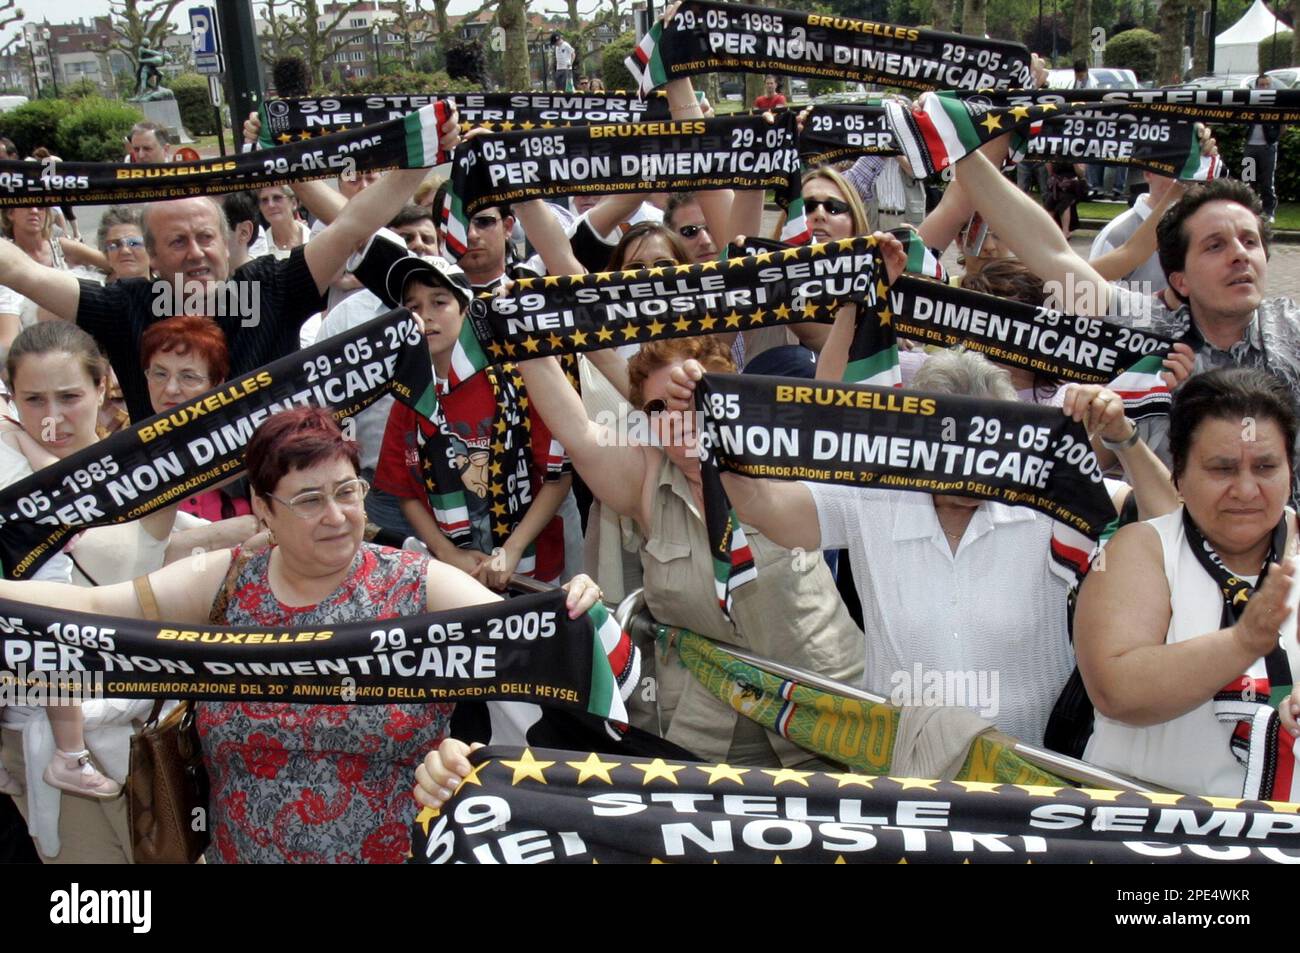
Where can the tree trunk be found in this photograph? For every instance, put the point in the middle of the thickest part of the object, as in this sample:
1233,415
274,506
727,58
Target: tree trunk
1201,45
1081,31
1172,22
1295,31
941,13
512,16
973,17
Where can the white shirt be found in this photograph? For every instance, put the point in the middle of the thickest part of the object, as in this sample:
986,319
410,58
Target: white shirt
352,312
993,607
563,55
1119,230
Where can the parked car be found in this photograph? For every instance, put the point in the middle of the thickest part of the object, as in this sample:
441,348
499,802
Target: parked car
11,102
1099,77
1286,78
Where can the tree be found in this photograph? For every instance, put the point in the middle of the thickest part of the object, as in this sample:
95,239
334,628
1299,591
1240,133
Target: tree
1275,51
415,25
512,17
136,24
1137,50
1081,31
1172,21
299,24
942,11
1295,34
1200,41
973,17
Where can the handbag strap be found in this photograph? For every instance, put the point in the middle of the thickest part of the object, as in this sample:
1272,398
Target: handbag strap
238,561
144,594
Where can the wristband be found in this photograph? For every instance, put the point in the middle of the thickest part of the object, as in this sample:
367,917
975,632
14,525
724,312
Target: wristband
1118,446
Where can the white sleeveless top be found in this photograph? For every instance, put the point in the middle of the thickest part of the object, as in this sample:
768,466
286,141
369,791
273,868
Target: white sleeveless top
1189,753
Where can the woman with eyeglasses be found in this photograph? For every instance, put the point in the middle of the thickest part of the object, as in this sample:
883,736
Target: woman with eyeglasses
121,239
303,783
279,206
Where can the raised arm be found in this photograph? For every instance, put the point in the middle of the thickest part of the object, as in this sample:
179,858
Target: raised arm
57,291
715,204
546,234
359,219
1027,229
1118,262
614,471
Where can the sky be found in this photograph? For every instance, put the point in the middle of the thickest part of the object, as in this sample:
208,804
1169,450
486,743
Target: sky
72,10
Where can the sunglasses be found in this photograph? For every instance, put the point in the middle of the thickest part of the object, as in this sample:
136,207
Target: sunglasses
832,206
118,244
484,222
656,406
690,231
657,263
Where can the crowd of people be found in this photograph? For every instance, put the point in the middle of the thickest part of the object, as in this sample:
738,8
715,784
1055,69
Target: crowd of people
853,584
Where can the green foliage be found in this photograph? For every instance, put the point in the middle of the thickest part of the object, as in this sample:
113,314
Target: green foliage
95,130
612,70
396,80
79,90
824,87
192,100
1232,141
1275,51
1135,50
34,124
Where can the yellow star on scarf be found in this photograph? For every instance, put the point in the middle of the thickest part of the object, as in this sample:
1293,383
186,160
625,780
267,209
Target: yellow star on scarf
500,425
604,275
495,349
810,310
510,349
763,257
499,510
1020,112
656,272
525,283
682,324
845,780
548,125
710,265
1048,107
882,289
530,345
341,129
788,775
604,334
733,319
1157,798
658,768
304,135
790,253
781,311
908,783
979,787
736,262
722,772
757,317
579,338
629,332
707,322
1098,794
426,816
494,468
527,125
472,777
554,341
284,137
593,767
656,328
498,446
886,317
551,281
528,767
1037,790
507,125
992,122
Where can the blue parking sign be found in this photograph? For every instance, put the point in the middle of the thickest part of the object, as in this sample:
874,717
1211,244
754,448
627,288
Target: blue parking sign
203,30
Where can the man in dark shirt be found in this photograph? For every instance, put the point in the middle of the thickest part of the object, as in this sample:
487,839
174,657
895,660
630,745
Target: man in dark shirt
260,307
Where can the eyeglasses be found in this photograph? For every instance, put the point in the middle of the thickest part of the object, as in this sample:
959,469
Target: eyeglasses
656,406
311,504
690,231
484,222
187,379
832,206
118,244
657,263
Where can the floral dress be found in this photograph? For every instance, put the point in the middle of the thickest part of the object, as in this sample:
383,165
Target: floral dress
319,783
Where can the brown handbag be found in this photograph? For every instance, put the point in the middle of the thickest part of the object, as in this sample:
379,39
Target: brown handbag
167,784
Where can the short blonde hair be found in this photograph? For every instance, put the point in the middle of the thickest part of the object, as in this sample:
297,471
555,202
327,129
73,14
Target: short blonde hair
861,224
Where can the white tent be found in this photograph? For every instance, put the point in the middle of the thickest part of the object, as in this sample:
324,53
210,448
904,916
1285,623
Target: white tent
1236,49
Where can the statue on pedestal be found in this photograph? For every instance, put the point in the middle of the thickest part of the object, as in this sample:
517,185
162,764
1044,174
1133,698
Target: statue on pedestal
148,79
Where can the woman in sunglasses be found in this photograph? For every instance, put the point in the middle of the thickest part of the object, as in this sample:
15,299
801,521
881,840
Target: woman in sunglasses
832,206
314,783
121,239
